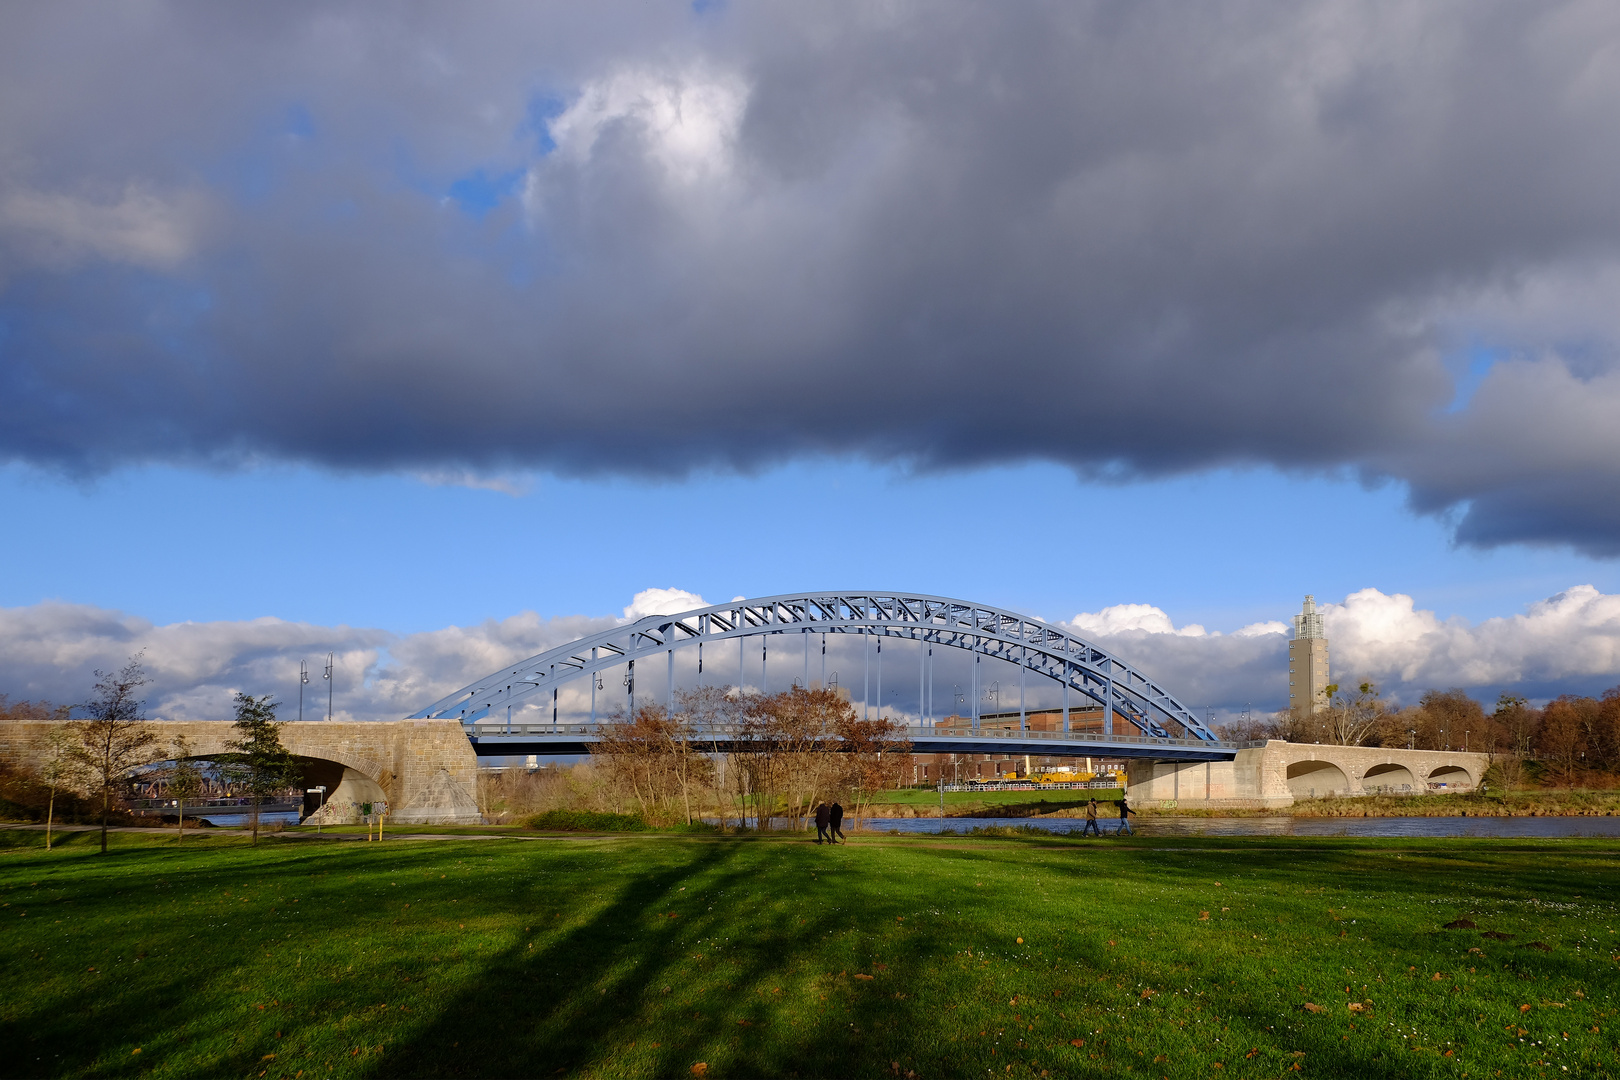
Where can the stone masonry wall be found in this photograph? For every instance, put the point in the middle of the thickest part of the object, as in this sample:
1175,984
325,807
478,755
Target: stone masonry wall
1278,773
426,769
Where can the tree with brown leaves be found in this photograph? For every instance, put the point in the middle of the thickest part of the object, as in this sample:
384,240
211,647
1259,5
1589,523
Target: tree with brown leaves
115,738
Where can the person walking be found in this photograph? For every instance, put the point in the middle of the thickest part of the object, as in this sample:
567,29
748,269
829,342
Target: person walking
835,819
823,818
1124,819
1092,828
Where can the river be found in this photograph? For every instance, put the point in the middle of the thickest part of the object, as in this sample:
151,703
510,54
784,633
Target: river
1522,827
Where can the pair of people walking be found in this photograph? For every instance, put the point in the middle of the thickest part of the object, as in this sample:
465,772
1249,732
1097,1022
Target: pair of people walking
1093,829
830,823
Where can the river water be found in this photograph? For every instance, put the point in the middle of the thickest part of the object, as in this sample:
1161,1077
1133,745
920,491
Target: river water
1524,827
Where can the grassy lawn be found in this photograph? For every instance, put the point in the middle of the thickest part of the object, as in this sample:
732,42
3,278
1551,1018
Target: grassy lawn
645,956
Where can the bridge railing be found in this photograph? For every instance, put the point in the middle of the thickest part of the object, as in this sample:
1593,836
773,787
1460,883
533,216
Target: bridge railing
912,732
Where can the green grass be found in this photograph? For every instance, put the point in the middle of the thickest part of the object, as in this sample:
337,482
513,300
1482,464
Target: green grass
643,956
585,821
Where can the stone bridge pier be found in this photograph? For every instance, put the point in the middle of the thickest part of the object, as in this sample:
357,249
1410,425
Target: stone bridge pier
1279,773
425,769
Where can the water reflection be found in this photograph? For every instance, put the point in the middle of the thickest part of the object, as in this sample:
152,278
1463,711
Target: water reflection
1543,827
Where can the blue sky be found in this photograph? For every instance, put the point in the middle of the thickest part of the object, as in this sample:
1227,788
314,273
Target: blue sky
1223,549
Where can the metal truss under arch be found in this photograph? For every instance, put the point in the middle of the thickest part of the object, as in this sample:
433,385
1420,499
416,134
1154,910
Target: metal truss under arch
1035,646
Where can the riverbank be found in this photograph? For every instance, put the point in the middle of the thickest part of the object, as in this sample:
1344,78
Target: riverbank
1023,804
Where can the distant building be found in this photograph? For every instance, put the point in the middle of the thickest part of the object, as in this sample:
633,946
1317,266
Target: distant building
1307,660
958,768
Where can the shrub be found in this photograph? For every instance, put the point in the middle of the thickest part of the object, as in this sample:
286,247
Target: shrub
585,821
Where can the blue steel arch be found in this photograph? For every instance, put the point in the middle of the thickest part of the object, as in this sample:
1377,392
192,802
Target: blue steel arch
1068,659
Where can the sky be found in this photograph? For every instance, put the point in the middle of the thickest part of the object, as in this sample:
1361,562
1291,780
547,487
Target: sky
425,336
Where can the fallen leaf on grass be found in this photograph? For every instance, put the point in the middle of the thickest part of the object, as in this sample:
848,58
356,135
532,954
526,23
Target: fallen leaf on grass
868,978
1312,1007
1077,1042
1203,915
701,1069
1356,1006
1524,1008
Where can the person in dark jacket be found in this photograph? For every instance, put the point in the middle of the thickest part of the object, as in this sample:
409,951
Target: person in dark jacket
1124,817
823,817
836,820
1092,828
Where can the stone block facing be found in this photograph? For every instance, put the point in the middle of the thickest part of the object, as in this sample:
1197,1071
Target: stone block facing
1278,773
426,769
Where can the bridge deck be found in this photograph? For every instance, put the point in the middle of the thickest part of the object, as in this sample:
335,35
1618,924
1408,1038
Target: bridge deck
492,741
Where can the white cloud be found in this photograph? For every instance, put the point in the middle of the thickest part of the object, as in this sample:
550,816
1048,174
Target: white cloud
1574,635
687,122
1126,617
662,602
1260,629
1567,643
50,651
140,227
515,486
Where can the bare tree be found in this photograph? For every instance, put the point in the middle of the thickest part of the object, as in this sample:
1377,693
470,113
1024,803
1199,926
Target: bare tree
712,713
1352,716
58,768
115,738
800,725
185,781
873,757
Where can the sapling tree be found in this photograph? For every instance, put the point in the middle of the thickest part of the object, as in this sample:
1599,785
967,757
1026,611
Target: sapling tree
258,763
57,768
115,738
186,781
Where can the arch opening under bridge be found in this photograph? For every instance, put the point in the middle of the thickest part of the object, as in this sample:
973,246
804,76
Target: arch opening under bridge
1009,658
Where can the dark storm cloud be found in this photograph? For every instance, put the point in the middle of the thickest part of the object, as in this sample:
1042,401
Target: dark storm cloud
1133,238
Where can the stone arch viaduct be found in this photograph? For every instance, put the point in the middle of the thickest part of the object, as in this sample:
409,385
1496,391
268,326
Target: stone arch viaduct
425,769
1276,773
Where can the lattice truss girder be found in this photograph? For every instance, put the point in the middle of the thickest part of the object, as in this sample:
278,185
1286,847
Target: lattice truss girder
978,628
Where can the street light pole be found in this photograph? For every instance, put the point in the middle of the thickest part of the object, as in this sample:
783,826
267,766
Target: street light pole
328,677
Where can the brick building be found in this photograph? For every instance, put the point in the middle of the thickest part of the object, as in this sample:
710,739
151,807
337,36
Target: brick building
959,768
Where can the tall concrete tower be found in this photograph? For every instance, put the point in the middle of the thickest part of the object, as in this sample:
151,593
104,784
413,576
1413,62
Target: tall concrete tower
1307,660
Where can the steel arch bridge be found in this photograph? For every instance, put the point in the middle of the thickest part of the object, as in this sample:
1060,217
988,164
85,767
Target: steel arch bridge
1158,724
